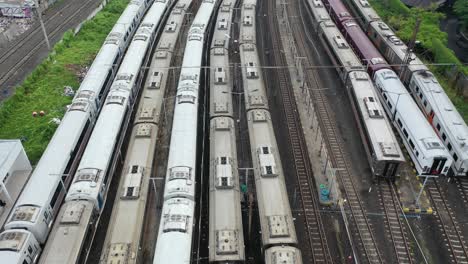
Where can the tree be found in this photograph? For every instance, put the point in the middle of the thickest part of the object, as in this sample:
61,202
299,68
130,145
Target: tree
461,10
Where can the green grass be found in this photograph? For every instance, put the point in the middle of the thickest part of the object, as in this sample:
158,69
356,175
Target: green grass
43,88
433,41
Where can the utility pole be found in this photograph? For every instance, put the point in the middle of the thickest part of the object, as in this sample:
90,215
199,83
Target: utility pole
409,50
38,11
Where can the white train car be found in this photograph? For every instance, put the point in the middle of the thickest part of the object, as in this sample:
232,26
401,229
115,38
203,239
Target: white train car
424,147
226,239
122,242
276,219
382,147
428,93
36,208
174,240
72,234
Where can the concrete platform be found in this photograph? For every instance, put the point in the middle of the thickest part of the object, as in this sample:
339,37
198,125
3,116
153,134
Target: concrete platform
324,174
409,187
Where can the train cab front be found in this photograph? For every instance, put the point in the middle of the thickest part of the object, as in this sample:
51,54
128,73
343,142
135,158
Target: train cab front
31,218
18,246
440,166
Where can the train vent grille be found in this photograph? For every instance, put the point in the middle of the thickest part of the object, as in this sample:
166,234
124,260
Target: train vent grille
251,68
248,21
218,51
186,98
432,145
389,149
12,240
147,113
340,42
132,184
248,6
364,3
283,256
227,242
171,26
222,24
220,108
260,116
372,107
220,75
175,223
226,9
79,106
224,173
247,38
25,213
144,130
181,173
278,226
219,42
91,175
317,3
257,100
222,123
84,95
118,253
161,54
248,47
72,214
155,80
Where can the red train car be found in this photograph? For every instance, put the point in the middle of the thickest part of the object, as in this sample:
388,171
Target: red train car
353,33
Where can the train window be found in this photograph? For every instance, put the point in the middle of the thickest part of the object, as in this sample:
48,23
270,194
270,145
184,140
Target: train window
411,143
134,169
438,127
30,249
455,157
56,194
389,104
449,146
417,89
417,153
385,96
404,132
223,160
444,137
371,99
420,95
399,122
425,103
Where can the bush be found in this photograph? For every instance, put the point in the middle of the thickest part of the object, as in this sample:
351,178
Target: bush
43,88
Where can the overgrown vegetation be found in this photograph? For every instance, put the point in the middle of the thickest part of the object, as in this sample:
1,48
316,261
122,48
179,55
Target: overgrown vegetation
433,46
43,88
461,10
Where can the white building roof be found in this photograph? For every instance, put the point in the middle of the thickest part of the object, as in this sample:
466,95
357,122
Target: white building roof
9,151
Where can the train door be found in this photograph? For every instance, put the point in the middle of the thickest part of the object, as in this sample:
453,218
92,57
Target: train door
390,170
437,166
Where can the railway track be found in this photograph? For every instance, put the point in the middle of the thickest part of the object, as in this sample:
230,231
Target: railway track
394,224
337,155
454,239
462,185
20,46
316,235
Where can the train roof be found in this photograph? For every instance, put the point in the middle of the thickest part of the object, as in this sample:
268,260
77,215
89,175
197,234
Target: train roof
444,108
68,234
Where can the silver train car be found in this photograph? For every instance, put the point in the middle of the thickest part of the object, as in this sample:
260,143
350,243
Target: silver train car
276,221
381,145
226,239
73,232
122,244
38,204
174,241
427,92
